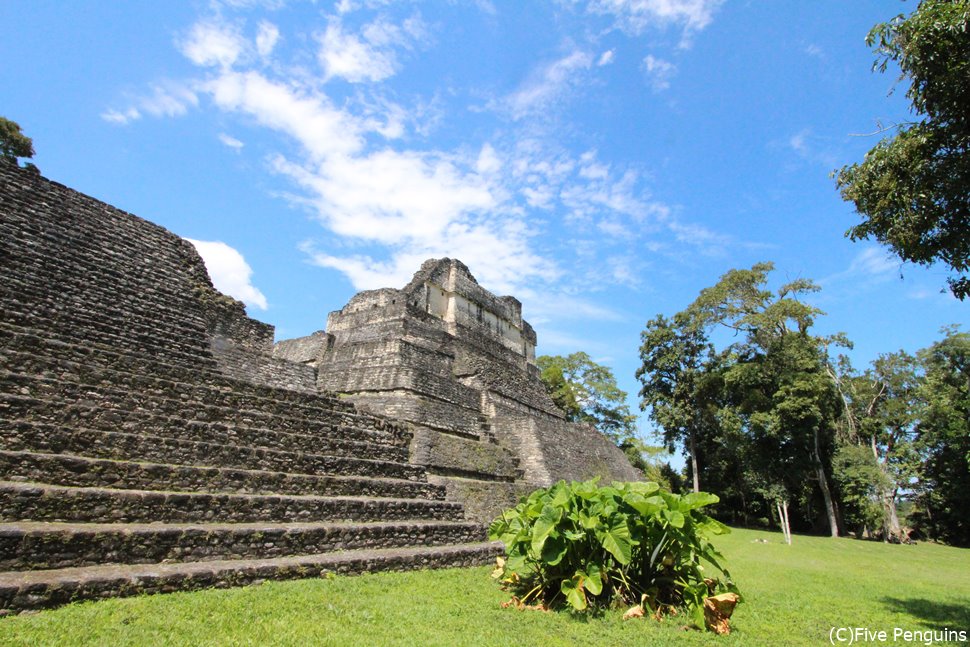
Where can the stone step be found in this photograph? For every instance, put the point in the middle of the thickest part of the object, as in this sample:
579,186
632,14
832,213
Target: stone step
96,416
77,327
33,355
26,590
61,398
151,290
38,545
107,244
36,342
162,280
79,471
44,502
150,319
92,443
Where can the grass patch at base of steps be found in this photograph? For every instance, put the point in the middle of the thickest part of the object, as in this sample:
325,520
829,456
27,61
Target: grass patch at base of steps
794,595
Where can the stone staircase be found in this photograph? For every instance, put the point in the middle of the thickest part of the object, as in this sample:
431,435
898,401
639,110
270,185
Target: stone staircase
129,464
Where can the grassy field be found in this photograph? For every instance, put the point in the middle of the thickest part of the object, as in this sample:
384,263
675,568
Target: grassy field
794,596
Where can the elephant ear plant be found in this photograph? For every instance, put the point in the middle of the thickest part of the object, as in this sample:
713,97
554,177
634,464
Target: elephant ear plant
585,546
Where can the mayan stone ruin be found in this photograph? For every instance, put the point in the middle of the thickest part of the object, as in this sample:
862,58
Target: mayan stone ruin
153,437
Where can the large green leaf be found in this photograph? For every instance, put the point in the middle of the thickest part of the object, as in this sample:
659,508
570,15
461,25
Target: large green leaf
574,592
544,525
696,500
616,540
594,579
642,505
587,489
554,548
675,518
644,489
588,522
712,526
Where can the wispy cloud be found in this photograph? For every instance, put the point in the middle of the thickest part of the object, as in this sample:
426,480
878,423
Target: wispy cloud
212,43
869,266
659,72
266,38
165,99
231,142
636,16
371,54
548,84
229,271
813,148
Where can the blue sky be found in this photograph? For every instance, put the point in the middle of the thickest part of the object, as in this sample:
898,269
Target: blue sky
601,160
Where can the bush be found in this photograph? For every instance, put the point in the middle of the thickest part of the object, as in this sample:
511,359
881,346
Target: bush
631,543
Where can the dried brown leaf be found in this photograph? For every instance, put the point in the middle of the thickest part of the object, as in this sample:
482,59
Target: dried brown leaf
633,612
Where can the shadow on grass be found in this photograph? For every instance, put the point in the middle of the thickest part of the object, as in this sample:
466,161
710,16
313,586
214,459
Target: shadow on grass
933,614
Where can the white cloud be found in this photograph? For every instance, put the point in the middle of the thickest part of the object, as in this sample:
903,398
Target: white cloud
874,261
121,116
348,57
229,271
559,306
231,142
636,15
871,265
815,51
488,162
310,118
659,72
212,43
546,86
606,58
813,148
389,196
167,99
369,56
797,142
266,38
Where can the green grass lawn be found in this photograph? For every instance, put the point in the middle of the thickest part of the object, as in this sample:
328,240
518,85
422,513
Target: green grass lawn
794,595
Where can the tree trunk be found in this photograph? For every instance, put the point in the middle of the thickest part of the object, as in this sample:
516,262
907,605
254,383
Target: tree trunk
892,530
824,485
784,508
693,464
890,524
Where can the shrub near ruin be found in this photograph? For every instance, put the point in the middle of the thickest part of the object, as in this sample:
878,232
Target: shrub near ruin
632,543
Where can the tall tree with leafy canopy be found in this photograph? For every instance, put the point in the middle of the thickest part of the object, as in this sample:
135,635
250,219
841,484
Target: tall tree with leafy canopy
913,189
943,437
587,392
778,383
675,354
881,408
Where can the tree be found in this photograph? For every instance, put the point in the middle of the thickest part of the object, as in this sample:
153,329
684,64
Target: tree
777,384
587,392
674,352
881,408
13,143
943,437
913,189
